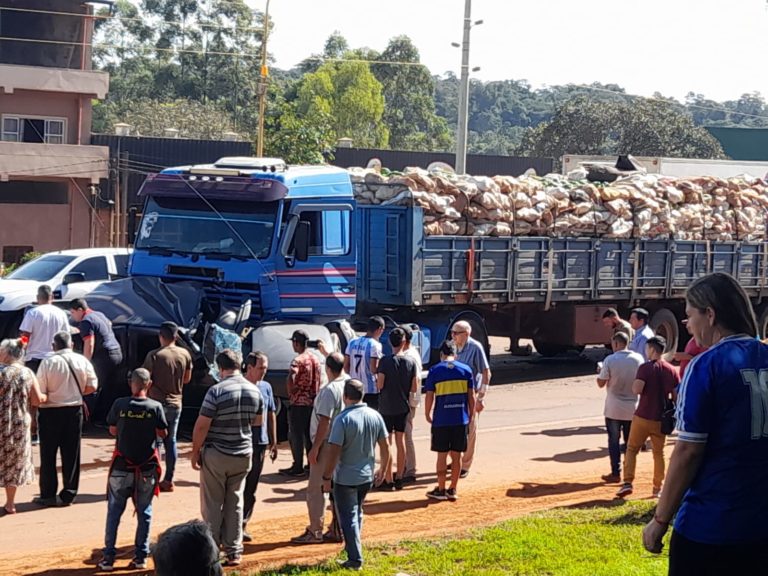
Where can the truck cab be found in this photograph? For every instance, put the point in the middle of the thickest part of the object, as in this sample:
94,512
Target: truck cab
256,229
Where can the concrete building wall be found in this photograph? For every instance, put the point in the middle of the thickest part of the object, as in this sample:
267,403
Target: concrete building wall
73,107
48,227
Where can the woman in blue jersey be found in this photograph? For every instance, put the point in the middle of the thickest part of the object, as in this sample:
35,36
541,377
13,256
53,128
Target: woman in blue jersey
718,473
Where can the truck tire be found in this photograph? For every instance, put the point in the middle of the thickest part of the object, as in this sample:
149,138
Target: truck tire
549,349
664,323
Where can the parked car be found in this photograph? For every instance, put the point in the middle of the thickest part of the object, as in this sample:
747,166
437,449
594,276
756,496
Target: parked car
71,274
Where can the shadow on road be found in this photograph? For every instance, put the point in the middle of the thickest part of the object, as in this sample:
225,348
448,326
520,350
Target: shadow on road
632,517
581,455
536,490
124,556
571,431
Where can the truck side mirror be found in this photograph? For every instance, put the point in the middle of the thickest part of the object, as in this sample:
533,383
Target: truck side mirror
73,278
301,241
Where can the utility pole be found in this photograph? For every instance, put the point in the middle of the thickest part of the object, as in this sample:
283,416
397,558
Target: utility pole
461,132
263,84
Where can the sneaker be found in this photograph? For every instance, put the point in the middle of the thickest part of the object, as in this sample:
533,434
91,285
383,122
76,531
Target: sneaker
35,440
232,560
409,478
464,473
437,494
386,486
137,564
308,537
296,472
611,478
247,537
451,494
347,565
398,484
656,493
331,536
166,486
625,490
106,564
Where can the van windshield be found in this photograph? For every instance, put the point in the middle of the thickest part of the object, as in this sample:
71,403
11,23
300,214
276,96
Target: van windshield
41,269
188,225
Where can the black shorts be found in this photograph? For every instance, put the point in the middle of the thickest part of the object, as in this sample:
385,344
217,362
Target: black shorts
450,438
396,423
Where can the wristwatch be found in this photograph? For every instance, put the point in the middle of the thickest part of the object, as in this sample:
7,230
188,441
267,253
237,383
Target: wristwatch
327,479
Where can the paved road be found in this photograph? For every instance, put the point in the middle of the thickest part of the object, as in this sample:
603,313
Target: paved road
537,430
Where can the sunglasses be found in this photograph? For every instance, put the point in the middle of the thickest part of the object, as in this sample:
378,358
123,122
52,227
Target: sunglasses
457,332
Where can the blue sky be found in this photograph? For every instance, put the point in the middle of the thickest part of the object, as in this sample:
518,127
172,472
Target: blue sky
713,47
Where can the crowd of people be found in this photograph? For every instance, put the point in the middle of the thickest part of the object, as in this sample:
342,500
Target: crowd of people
361,411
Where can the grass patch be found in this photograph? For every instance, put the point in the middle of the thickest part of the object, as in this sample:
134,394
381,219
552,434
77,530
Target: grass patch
566,542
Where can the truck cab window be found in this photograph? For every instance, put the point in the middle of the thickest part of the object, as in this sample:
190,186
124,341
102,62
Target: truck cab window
329,232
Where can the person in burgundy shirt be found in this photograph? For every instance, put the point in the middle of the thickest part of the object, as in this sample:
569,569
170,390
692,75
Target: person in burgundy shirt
303,385
692,349
656,380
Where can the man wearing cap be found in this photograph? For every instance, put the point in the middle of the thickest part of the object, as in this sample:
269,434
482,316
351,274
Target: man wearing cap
171,368
303,385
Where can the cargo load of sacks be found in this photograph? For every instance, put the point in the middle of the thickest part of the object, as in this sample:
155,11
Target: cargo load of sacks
639,205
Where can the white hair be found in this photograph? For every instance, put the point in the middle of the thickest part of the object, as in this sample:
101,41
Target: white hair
464,325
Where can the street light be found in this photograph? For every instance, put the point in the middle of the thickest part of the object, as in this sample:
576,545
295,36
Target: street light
263,85
461,132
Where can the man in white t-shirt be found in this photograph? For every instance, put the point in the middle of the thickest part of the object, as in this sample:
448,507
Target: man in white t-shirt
617,374
410,449
39,326
361,359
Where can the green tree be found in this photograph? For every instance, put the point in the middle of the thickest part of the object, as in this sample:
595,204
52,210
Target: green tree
351,96
409,95
193,119
307,140
639,126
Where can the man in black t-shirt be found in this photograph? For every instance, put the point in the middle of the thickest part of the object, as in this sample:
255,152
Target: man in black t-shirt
135,472
397,379
101,347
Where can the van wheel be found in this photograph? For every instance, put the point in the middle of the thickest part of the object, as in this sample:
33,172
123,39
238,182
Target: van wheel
664,323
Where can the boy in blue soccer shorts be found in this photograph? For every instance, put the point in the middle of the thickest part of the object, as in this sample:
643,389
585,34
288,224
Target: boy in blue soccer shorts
451,393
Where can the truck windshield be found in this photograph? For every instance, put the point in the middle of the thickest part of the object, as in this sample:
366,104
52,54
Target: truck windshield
188,225
41,269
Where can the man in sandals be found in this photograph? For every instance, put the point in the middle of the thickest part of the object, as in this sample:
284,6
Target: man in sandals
450,390
135,471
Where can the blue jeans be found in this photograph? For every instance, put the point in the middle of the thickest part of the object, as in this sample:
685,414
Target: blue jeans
349,508
172,417
616,428
120,490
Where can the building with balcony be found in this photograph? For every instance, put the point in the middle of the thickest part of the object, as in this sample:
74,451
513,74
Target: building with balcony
50,175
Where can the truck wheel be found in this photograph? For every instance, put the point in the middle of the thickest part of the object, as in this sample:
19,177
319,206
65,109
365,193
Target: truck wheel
9,324
549,349
664,323
762,322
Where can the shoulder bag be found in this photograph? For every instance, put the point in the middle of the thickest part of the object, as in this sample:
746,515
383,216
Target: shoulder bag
668,420
86,411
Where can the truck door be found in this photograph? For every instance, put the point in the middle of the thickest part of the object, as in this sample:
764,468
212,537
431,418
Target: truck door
324,284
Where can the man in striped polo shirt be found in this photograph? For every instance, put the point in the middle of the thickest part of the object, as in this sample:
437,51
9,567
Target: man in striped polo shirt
221,450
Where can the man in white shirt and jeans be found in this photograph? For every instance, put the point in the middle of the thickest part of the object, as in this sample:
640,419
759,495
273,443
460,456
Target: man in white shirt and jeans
410,448
39,325
64,378
617,374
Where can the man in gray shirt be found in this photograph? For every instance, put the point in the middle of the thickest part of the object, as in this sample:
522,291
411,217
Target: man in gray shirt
617,374
221,450
471,353
352,457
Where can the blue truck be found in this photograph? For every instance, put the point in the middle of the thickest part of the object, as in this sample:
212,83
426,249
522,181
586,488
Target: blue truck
265,245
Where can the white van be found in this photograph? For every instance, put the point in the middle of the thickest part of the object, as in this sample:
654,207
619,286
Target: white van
71,273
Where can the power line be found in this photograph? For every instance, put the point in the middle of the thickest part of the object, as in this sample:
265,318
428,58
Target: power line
97,16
